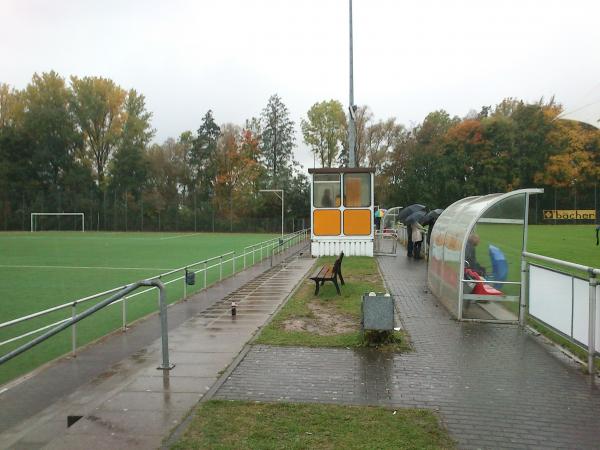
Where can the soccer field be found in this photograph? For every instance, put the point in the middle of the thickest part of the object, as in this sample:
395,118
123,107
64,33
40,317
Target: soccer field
41,270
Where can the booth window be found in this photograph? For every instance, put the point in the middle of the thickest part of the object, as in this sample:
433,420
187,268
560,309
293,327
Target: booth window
326,190
357,190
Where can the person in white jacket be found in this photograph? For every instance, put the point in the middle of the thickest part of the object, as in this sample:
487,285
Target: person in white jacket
417,238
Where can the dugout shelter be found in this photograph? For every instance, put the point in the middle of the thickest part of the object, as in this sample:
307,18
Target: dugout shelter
500,222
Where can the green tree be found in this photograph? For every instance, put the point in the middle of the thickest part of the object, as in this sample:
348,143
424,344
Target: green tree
324,130
203,156
128,168
50,126
98,106
278,140
380,138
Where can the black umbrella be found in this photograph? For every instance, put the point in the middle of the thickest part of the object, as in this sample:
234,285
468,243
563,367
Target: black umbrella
409,210
431,216
414,217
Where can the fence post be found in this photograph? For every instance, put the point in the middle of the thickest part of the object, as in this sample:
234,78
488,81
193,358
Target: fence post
592,322
253,252
73,330
204,275
244,259
233,263
124,301
261,255
220,267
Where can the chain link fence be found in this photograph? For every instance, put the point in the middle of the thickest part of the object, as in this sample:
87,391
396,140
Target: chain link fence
119,213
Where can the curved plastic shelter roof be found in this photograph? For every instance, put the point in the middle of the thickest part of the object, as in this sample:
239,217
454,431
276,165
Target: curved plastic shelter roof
389,221
499,222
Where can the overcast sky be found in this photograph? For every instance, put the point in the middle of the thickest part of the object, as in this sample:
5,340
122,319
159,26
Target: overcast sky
410,57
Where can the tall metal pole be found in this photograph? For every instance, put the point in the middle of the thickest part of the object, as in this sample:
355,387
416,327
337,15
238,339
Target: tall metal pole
351,124
282,213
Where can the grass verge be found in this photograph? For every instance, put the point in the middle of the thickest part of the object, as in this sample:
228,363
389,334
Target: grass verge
235,424
330,320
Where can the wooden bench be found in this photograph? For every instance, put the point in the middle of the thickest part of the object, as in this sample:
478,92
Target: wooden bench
329,273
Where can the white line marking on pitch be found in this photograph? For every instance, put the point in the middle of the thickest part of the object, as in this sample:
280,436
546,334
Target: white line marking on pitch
176,237
13,266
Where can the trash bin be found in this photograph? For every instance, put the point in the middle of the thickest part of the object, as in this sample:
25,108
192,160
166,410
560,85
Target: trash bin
190,278
377,311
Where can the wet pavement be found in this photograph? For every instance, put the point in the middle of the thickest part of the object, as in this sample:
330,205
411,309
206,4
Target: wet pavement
112,390
494,386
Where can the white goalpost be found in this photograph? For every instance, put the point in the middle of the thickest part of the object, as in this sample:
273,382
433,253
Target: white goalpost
34,217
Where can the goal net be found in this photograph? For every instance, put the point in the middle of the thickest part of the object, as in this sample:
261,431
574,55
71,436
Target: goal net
57,222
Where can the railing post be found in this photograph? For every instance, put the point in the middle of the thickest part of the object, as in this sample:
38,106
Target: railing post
164,329
261,253
244,259
253,252
124,305
204,275
592,323
233,263
220,267
524,293
184,283
73,330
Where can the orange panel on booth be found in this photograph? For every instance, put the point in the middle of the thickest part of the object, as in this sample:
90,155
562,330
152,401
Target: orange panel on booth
327,222
357,222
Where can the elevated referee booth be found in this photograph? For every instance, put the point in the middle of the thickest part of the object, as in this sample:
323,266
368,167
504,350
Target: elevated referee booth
342,211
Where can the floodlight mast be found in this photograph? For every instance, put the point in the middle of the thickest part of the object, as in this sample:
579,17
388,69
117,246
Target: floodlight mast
276,192
352,109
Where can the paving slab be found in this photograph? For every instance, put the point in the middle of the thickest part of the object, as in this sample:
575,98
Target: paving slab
123,400
494,386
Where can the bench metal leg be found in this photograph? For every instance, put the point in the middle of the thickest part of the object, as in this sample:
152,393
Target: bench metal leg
317,288
341,277
337,286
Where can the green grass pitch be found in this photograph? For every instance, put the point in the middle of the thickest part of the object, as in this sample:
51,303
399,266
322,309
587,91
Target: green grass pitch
41,270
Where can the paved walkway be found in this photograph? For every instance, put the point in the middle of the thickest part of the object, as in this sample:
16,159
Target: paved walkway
124,401
495,386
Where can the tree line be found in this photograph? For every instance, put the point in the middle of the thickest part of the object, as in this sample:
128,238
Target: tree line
85,145
509,146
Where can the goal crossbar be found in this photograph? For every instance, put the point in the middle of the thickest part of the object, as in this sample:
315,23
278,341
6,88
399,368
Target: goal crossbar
35,215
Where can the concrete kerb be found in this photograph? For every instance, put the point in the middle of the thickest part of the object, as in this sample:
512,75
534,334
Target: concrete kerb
180,429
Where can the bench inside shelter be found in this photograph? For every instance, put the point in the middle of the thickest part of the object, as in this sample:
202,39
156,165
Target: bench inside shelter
329,273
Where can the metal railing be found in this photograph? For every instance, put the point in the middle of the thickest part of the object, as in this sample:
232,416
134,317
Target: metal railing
256,252
592,281
120,294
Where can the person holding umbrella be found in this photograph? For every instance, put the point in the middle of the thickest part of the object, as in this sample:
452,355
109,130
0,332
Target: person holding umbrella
403,216
430,219
415,233
417,238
